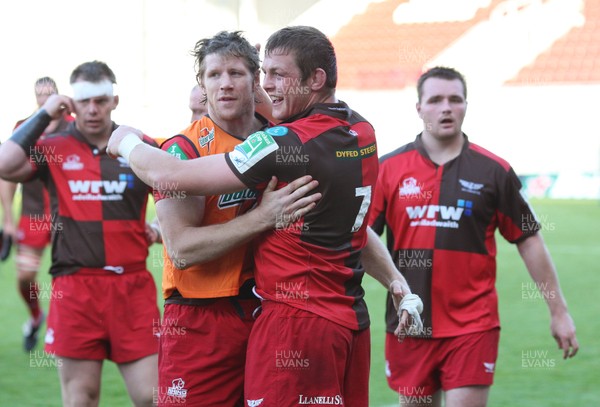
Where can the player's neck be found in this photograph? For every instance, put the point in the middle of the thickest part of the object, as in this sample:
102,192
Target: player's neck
325,97
442,149
318,97
242,126
98,140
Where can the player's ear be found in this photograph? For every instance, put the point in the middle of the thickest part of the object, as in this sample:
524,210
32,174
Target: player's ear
418,107
115,102
318,79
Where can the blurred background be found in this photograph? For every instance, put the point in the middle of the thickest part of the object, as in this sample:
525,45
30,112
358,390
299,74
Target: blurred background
532,66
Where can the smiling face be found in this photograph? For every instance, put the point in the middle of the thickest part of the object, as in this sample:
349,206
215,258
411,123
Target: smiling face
229,87
442,108
283,83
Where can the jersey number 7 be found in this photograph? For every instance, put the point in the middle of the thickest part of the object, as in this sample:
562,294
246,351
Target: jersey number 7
365,192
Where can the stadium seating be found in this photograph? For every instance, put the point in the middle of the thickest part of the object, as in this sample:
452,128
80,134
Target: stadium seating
574,58
378,53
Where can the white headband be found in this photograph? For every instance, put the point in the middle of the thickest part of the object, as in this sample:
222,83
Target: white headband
86,90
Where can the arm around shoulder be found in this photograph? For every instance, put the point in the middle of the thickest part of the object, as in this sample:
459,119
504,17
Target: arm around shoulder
210,175
189,243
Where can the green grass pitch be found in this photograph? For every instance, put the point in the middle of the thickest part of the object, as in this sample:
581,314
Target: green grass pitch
530,369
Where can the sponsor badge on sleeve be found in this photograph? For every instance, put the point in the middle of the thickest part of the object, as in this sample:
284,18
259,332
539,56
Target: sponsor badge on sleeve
256,147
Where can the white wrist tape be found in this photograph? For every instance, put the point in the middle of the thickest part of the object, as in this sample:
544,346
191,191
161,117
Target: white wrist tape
128,144
412,304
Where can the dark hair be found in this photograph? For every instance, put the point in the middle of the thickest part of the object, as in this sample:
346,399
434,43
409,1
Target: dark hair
46,81
94,71
310,48
441,72
227,44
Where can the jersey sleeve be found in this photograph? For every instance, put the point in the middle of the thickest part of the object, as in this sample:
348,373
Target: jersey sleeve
178,146
263,154
181,147
516,220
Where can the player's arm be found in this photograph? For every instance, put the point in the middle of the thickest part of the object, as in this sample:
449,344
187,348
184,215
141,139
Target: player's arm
208,175
188,244
14,154
7,194
539,264
379,265
178,220
153,234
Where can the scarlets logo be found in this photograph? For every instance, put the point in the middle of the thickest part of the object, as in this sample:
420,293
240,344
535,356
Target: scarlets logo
409,187
72,163
176,389
412,190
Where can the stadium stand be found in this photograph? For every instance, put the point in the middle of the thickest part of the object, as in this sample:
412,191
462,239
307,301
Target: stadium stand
574,58
381,49
377,53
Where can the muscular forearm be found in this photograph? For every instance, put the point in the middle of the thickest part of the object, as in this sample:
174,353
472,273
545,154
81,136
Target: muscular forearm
161,170
7,193
14,154
379,265
209,175
194,245
14,163
188,242
541,268
30,130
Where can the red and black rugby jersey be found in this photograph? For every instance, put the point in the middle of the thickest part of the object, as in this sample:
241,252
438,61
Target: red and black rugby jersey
98,205
314,264
440,224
